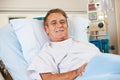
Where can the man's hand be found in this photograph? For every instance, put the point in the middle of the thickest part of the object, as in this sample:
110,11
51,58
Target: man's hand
81,69
71,75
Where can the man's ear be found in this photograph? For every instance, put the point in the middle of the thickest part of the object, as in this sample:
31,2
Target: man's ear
46,29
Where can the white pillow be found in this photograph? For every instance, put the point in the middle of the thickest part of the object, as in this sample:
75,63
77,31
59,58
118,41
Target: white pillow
31,34
78,28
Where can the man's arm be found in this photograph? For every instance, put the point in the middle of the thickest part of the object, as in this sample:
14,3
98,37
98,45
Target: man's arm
71,75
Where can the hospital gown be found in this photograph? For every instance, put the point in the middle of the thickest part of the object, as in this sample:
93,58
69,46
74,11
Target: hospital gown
59,57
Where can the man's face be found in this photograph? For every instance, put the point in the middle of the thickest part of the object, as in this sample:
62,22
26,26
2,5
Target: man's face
57,27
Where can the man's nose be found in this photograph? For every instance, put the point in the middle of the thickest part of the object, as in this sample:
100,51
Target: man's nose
59,24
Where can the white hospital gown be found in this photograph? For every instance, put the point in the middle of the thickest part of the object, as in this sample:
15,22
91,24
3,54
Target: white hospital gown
59,57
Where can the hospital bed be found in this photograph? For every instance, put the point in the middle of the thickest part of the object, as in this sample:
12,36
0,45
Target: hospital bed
22,39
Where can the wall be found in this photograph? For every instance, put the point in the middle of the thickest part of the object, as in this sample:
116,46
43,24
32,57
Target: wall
37,8
4,18
112,28
43,5
117,2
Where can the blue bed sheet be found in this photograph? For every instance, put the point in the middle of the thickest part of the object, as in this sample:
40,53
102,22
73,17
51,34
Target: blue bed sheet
11,54
102,67
101,77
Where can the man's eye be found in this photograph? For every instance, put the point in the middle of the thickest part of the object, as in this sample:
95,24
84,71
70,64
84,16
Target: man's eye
53,23
62,22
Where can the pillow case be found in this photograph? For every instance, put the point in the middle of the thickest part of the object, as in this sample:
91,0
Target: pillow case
31,34
78,28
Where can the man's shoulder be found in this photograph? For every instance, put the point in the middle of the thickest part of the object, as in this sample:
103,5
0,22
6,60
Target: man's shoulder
80,41
46,45
77,42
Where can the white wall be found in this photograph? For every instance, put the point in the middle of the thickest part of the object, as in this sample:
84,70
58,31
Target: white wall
37,8
4,18
68,5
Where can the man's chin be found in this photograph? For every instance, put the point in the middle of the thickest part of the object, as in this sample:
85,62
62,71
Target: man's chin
62,38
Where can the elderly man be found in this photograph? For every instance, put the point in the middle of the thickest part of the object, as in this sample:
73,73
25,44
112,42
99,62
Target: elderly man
62,58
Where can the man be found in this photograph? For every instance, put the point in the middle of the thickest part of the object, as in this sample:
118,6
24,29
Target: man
62,58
